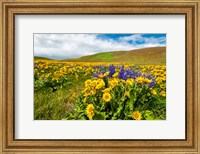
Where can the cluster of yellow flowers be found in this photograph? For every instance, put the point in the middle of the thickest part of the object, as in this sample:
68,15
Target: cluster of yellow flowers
143,80
157,71
79,71
113,82
90,113
160,73
55,70
92,86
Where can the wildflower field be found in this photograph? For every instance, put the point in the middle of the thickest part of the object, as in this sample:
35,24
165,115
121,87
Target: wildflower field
98,91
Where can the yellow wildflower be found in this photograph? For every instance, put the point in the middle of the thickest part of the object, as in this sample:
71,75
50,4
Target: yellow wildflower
137,115
94,83
87,94
115,75
84,100
106,74
163,93
86,89
93,91
129,82
88,83
139,79
146,80
90,111
106,97
99,86
162,86
100,76
107,90
127,93
114,82
153,92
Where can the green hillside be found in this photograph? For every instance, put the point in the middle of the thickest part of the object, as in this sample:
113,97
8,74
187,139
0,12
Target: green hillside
153,55
41,58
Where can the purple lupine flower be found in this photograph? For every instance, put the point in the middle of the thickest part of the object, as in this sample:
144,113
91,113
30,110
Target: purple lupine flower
129,72
149,76
150,85
103,71
140,74
96,74
121,72
133,76
125,76
136,74
111,69
144,76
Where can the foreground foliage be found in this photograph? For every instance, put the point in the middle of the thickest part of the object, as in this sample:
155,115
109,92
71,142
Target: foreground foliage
99,91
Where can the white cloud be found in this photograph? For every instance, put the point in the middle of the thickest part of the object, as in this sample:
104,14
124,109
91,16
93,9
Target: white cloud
61,46
136,37
146,41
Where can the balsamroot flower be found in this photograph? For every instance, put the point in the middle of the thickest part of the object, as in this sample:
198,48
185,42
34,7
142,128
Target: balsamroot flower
88,83
130,82
139,79
90,111
163,93
107,90
106,97
137,115
153,92
115,75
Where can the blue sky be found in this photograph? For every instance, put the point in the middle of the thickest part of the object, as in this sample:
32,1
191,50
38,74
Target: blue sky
62,46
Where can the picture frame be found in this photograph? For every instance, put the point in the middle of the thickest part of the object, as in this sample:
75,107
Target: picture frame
148,7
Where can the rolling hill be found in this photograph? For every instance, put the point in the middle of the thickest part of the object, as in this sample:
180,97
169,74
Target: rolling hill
153,55
41,58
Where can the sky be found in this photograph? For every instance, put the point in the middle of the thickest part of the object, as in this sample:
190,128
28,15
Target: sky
63,46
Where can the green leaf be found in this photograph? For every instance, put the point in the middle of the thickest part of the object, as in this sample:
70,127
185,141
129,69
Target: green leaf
99,117
83,118
148,115
157,118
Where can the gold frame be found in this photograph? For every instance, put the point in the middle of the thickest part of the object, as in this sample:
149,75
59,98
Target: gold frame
9,8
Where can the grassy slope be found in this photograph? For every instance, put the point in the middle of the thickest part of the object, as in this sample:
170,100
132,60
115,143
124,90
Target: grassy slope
154,55
50,105
40,58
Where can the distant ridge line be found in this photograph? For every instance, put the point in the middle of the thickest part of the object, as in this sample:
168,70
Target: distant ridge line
152,55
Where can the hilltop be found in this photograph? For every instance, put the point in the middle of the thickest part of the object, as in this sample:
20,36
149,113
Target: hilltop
153,55
41,58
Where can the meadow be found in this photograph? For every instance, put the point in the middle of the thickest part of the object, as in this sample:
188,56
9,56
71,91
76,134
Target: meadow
65,90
